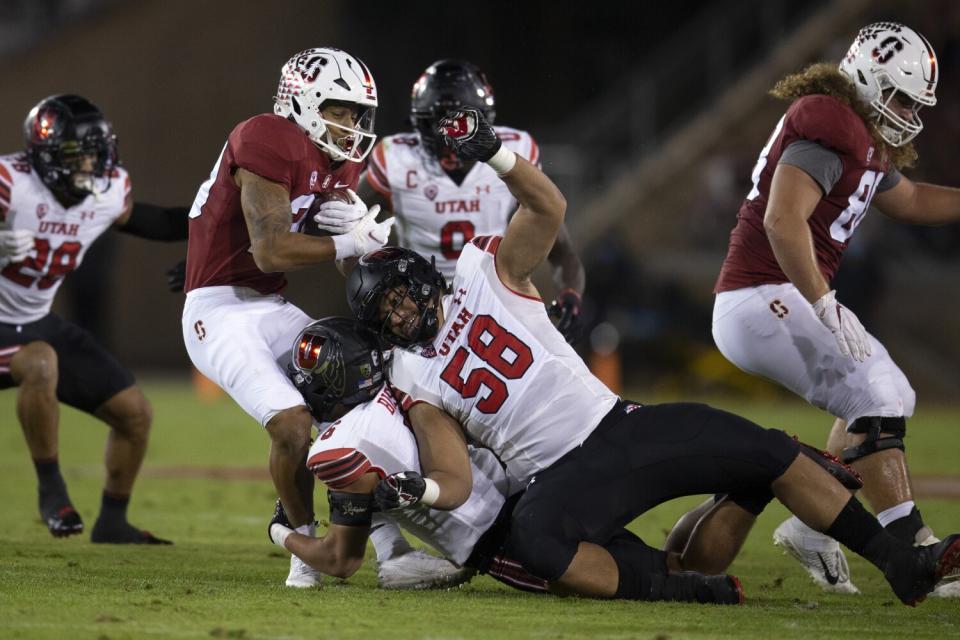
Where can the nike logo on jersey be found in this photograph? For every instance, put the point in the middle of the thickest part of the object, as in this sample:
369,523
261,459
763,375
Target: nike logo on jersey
340,185
831,578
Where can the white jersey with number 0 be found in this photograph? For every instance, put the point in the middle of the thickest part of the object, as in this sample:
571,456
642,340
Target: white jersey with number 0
61,235
502,370
436,216
374,437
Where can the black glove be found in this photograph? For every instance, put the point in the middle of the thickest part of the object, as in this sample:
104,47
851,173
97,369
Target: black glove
279,517
399,490
177,276
469,134
566,309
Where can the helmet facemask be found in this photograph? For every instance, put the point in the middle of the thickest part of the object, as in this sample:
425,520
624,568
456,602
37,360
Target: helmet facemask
318,78
894,71
397,286
71,146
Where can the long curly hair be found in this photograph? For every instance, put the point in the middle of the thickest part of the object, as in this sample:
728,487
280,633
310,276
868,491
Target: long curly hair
825,79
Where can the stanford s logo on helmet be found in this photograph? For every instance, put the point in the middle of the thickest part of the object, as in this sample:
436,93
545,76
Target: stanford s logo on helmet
336,361
447,85
61,132
890,65
379,272
314,77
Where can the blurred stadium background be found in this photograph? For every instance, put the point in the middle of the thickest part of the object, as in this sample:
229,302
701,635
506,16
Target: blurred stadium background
650,117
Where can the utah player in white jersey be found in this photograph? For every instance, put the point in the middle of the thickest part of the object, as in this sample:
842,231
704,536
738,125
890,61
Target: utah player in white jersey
55,201
838,149
236,325
442,201
485,357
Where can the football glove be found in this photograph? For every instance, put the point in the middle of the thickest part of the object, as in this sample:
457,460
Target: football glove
852,338
338,216
279,527
176,276
367,235
15,245
566,310
399,491
470,135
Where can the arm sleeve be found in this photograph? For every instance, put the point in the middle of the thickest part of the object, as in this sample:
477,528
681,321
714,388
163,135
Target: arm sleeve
339,468
821,164
889,181
149,221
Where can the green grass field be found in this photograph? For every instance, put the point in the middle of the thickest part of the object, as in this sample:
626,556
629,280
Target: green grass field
223,579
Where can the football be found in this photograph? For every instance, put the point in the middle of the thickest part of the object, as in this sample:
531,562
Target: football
308,225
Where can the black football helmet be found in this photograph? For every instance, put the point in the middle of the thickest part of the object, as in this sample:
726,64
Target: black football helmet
336,361
59,131
376,273
444,86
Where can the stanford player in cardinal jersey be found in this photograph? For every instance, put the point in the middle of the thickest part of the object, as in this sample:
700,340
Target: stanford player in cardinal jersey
236,326
485,360
838,149
442,201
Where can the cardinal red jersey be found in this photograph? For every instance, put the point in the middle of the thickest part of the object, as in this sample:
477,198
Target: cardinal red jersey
835,126
218,251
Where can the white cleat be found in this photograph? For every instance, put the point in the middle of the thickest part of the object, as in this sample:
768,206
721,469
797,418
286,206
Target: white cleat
302,575
820,555
420,570
949,587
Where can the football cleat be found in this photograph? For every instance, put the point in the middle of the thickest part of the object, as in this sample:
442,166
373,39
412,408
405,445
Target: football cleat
913,577
64,522
690,586
949,585
819,555
302,575
420,570
105,532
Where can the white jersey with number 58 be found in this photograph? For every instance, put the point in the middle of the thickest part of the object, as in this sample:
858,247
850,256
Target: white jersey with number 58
436,216
61,235
500,368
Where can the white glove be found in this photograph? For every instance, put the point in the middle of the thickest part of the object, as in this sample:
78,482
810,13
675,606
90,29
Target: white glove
852,338
15,244
338,216
368,235
279,533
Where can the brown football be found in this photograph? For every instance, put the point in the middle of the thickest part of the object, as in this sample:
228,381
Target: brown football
308,226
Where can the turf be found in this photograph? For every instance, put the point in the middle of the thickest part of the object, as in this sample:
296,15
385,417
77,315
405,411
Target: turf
204,486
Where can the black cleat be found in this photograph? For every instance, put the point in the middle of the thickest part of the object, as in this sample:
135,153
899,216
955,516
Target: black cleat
123,533
690,586
63,522
912,578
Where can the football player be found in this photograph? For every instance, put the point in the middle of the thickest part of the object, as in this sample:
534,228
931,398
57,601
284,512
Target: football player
837,150
442,201
485,360
365,437
55,201
237,326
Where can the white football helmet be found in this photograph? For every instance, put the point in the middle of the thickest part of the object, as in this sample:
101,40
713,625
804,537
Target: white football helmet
891,64
316,76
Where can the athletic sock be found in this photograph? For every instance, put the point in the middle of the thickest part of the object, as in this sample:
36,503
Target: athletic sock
113,507
388,541
51,488
860,532
906,528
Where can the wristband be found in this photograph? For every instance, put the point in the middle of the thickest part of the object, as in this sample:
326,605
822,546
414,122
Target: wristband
430,493
344,245
502,161
279,534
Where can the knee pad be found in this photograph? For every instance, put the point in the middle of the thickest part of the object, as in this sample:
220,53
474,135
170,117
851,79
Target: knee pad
753,501
539,544
873,426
